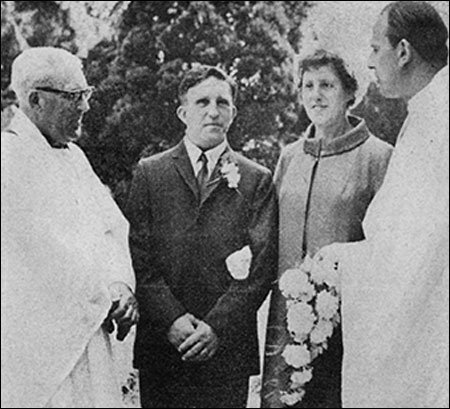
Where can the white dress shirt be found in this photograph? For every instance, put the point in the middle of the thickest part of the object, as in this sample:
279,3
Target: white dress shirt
213,155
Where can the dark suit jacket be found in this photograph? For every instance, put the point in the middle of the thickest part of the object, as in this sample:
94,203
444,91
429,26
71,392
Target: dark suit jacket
179,244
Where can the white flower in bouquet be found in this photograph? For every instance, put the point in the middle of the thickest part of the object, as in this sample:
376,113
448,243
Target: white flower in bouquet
321,332
239,262
300,320
295,284
291,398
312,302
300,378
327,305
318,273
297,356
325,270
332,279
308,264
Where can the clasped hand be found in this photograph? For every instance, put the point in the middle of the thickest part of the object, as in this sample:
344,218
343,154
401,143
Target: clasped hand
194,339
124,310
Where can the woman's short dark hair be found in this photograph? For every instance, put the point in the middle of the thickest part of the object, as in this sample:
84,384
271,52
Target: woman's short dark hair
200,73
323,58
421,25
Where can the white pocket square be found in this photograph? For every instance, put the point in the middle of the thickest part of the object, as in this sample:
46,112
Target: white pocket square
239,262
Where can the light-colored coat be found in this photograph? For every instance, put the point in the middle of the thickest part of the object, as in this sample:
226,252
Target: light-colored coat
324,190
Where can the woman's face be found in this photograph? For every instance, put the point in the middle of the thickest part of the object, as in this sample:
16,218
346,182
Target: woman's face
324,97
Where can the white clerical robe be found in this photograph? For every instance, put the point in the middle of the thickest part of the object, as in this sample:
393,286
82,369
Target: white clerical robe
395,287
64,241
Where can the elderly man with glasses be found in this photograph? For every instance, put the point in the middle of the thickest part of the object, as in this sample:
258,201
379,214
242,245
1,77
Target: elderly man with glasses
66,278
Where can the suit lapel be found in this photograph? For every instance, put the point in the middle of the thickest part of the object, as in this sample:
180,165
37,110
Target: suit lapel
216,178
184,168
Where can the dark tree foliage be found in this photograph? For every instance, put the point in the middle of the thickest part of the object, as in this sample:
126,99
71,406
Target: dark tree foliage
37,23
384,117
10,46
48,24
137,76
137,73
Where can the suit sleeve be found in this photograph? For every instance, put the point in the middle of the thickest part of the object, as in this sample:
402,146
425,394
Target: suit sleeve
280,169
248,294
156,302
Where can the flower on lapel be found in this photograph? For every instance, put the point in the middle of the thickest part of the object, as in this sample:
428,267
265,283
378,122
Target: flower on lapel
229,170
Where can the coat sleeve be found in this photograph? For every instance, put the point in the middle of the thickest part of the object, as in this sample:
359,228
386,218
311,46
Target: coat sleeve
281,169
248,294
156,301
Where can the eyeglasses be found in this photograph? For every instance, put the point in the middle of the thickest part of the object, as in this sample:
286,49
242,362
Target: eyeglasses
71,96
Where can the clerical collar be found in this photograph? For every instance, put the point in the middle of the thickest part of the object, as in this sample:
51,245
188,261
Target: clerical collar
55,145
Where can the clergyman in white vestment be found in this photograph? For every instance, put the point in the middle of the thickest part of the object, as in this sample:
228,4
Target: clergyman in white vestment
395,284
66,278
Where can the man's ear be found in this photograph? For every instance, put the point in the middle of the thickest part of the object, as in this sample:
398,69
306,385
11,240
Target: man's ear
181,113
234,114
404,53
300,96
34,100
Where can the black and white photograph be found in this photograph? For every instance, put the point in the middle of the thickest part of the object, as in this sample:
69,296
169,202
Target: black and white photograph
225,204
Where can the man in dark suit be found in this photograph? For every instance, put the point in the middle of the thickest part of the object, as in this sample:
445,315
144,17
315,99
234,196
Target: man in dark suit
190,208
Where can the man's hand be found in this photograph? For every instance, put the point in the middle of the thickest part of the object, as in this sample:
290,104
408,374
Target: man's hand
123,311
201,345
181,329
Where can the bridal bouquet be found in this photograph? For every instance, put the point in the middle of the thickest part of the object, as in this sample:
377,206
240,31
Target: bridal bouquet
312,294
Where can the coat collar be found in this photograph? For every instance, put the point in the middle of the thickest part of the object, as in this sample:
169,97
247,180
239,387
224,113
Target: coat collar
341,144
22,125
184,168
432,94
213,155
216,178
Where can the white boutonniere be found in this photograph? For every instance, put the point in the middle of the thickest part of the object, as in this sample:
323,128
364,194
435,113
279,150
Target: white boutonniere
229,171
239,262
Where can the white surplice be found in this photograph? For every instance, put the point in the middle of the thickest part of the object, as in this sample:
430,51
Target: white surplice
64,241
395,286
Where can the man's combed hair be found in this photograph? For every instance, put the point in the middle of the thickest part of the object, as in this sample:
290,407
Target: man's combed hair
421,25
200,73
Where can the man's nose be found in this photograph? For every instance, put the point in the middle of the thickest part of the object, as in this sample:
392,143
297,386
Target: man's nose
213,110
316,93
83,105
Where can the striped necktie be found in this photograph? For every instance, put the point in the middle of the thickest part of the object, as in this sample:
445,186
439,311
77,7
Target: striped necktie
202,177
